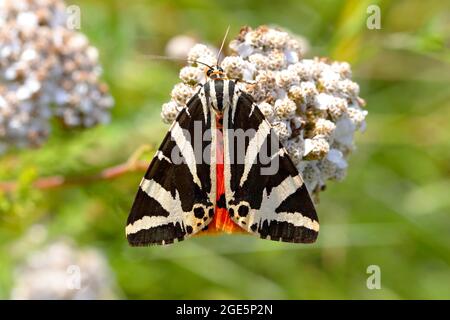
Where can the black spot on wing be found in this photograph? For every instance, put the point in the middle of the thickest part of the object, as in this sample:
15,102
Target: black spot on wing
243,211
199,212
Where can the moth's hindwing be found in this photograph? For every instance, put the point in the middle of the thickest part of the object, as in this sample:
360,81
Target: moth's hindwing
264,191
175,198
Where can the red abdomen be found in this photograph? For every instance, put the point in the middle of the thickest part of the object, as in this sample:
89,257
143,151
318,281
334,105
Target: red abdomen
221,221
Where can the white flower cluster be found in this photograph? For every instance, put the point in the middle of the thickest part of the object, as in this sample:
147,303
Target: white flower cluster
312,104
61,271
46,69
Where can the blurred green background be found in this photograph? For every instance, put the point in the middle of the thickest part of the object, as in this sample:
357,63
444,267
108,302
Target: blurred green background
392,210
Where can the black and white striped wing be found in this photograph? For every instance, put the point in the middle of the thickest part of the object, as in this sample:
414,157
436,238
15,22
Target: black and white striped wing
264,191
175,199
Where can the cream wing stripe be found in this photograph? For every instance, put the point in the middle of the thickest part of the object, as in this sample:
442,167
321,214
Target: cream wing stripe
212,94
213,160
253,149
204,104
169,203
234,101
161,156
226,156
186,150
270,202
226,95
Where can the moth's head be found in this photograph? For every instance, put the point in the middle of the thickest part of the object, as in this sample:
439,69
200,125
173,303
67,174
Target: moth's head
215,73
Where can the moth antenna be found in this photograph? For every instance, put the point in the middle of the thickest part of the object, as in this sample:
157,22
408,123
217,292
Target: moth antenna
158,57
221,46
196,61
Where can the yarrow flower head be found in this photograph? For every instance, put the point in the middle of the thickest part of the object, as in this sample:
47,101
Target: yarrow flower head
312,104
46,69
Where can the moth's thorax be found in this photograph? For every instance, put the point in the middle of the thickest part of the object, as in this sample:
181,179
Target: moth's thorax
217,76
219,93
